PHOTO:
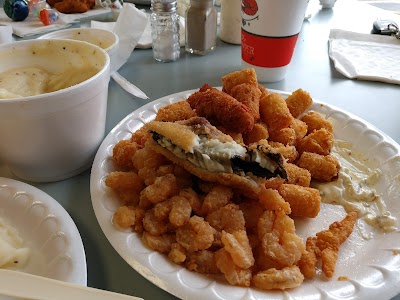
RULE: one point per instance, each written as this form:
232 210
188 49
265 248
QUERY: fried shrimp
180 211
123 152
286 278
177 254
163 188
308 260
128 186
271 200
124 181
202 262
161 243
326 247
229 218
214 181
279 242
328 241
129 216
233 274
238 246
195 235
218 197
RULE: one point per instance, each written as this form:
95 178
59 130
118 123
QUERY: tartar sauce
355 188
13 253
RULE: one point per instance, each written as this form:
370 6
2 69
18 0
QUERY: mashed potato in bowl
30 81
53 104
49 69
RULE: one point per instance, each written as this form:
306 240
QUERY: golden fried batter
274 112
297 175
214 222
324 168
285 136
298 102
319 141
235 78
337 233
74 6
259 132
123 152
222 109
249 95
326 246
175 112
316 121
304 201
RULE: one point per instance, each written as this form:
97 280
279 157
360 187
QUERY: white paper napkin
130 25
145 40
32 25
5 34
365 56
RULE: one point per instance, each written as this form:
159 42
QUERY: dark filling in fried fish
229 157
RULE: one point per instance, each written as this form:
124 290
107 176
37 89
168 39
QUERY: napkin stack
130 25
365 56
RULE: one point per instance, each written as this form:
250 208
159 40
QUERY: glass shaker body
165 32
201 27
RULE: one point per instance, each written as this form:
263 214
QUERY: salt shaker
165 30
201 27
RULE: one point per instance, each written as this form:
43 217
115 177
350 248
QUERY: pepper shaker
165 30
201 27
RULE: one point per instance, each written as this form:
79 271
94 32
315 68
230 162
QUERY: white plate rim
163 280
75 249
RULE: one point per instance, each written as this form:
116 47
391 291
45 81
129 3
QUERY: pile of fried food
72 6
214 180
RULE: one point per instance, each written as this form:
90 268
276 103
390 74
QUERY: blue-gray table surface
310 69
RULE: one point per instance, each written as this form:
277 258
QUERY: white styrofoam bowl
53 136
105 39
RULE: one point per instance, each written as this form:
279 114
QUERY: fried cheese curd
210 228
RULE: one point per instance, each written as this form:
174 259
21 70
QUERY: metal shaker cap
163 5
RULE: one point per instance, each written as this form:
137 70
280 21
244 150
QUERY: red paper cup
269 34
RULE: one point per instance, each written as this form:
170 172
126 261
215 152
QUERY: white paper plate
56 247
371 265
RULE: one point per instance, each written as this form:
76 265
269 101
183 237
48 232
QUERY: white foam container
105 39
53 136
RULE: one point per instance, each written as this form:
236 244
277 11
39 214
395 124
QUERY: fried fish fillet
213 156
